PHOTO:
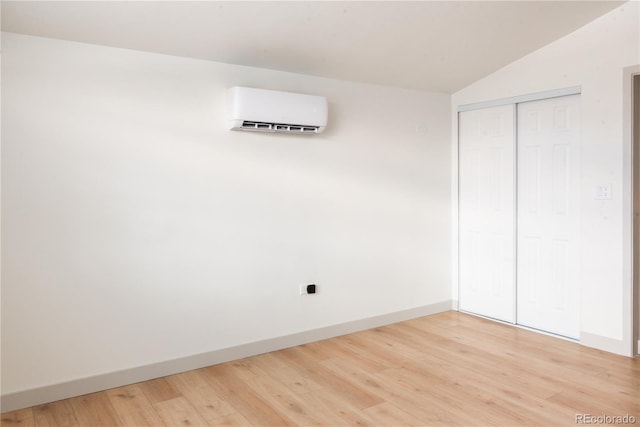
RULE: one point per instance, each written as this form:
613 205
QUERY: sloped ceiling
439 46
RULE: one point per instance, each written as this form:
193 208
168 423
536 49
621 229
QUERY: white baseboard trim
78 387
623 348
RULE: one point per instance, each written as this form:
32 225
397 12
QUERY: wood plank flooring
449 369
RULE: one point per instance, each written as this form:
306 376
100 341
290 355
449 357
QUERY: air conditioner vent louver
261 110
278 127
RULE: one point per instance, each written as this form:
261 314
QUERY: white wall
592 57
137 229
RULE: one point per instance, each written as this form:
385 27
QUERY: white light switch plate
603 191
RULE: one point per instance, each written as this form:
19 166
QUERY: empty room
327 213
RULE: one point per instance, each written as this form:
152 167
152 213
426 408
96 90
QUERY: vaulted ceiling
439 46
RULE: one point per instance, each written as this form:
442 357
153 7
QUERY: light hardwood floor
448 369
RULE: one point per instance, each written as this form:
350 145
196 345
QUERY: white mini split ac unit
271 111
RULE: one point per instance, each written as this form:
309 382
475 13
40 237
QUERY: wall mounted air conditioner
271 111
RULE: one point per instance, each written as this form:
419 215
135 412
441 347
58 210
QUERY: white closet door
548 215
486 212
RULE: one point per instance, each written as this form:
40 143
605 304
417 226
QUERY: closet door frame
538 96
514 101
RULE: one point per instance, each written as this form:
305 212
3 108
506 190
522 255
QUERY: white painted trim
611 345
455 209
77 387
515 214
628 321
573 90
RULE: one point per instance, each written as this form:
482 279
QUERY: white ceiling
432 45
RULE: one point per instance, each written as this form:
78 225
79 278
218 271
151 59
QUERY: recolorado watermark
605 419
